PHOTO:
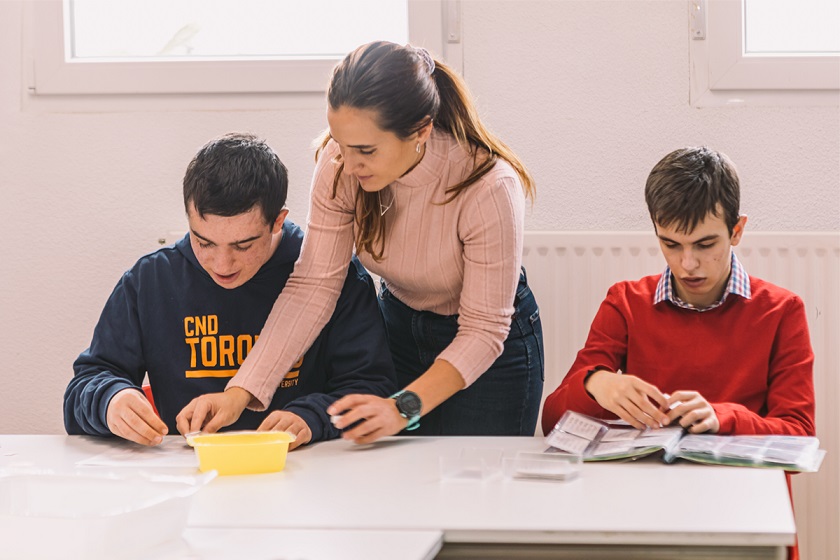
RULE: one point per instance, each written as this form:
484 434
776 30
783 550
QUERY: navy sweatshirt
168 317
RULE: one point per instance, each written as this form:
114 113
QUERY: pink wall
590 93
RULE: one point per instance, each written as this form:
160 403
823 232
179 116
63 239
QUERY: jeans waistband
522 291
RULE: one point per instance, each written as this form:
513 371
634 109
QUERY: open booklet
601 440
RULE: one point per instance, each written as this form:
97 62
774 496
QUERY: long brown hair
407 90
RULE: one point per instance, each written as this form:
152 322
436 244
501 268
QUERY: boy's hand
694 411
131 416
213 411
285 421
635 401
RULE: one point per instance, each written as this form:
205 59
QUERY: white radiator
570 273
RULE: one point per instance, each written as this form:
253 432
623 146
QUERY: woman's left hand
377 417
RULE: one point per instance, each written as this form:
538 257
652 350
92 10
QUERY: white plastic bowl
53 515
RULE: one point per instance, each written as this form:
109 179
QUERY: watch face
409 404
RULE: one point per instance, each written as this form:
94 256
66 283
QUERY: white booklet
601 440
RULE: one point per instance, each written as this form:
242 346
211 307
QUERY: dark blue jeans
504 400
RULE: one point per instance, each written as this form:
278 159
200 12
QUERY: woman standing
434 205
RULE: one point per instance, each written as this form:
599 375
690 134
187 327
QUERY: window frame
47 72
721 74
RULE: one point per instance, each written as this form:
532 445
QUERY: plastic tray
553 466
81 515
244 452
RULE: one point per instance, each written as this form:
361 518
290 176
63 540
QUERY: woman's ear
424 133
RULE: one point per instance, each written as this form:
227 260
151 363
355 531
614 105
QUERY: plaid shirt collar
739 284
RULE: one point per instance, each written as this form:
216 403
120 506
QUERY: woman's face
374 156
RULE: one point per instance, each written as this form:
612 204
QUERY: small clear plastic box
471 463
551 466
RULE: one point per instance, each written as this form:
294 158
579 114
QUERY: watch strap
413 421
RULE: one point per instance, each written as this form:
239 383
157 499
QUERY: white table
626 509
301 544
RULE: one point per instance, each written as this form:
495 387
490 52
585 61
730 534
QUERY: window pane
792 26
277 29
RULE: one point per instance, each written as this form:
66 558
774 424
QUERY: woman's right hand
211 412
374 417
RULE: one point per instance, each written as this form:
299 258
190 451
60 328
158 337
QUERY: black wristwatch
409 406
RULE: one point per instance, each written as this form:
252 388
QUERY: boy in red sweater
703 344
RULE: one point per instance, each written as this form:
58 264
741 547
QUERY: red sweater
751 359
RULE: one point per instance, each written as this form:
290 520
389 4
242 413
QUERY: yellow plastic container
241 452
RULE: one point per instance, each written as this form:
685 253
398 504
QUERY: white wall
590 94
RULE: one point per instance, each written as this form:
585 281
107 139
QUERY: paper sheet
568 442
173 452
620 434
612 447
580 425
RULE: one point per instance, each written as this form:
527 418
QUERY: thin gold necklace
382 207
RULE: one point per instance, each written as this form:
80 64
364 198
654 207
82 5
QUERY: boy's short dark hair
688 184
232 174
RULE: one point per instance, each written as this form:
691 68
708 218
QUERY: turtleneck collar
428 170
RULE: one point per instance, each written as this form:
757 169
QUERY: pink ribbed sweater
462 257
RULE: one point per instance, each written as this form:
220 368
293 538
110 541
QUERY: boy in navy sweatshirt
188 314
